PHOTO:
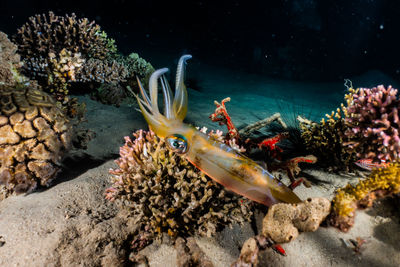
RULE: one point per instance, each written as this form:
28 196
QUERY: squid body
220 162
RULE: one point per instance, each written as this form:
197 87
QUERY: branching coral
58 50
168 194
102 71
34 134
136 67
44 34
325 140
373 121
380 183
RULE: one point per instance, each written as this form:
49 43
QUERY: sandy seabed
71 223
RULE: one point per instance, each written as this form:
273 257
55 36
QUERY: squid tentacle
224 165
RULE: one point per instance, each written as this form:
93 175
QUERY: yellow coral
326 139
387 179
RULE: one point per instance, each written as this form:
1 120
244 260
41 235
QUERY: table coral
380 183
168 194
34 135
373 123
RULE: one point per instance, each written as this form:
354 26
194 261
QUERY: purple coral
373 121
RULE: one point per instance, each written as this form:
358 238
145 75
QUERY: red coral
221 116
270 144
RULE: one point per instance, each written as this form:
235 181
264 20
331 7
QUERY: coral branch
221 116
262 123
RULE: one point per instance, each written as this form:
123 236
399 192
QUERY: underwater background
83 182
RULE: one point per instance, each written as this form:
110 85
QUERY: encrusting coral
373 123
284 221
380 183
282 224
9 61
168 194
34 135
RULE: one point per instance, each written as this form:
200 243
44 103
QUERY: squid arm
219 161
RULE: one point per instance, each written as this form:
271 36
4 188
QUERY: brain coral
168 194
373 121
34 134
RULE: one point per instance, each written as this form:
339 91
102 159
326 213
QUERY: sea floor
71 223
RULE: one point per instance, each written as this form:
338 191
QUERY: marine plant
169 195
219 161
380 183
34 135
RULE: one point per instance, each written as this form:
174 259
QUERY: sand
71 224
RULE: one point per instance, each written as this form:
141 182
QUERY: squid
223 164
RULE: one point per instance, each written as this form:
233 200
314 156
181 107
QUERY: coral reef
168 194
58 50
137 68
326 140
62 51
9 61
373 123
367 127
284 221
44 34
34 134
102 71
380 183
111 94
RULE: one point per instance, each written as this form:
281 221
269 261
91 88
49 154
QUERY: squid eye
177 143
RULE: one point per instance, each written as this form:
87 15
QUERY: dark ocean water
295 40
295 51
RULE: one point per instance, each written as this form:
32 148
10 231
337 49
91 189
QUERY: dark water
319 40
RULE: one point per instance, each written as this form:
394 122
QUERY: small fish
368 164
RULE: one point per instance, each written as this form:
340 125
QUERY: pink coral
373 121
